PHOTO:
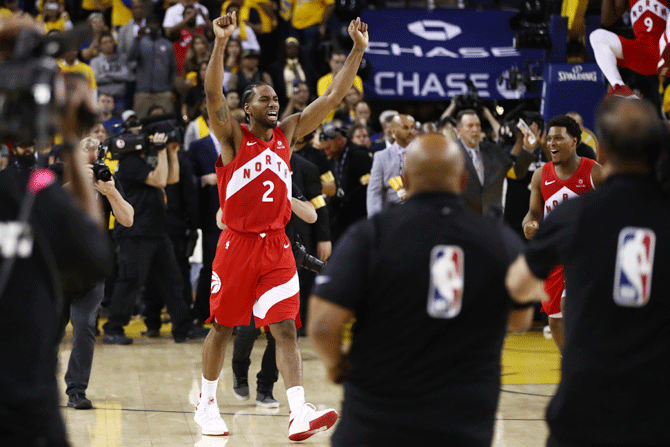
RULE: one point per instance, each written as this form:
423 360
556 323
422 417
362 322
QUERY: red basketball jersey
648 17
555 191
255 188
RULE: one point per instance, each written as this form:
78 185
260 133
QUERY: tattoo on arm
222 113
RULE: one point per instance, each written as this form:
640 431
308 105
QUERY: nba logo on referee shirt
445 295
634 266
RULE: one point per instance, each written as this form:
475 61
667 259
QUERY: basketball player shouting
567 175
644 54
254 270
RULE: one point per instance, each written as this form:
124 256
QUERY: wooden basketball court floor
144 395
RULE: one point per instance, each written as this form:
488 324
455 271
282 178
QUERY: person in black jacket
351 166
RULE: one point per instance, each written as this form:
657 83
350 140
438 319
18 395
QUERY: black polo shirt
615 245
417 376
148 201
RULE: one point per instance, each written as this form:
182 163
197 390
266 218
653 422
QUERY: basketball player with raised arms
643 54
566 176
254 270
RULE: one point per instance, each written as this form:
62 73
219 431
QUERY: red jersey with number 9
648 17
255 187
555 191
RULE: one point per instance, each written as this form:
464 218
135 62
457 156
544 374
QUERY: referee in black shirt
615 245
425 282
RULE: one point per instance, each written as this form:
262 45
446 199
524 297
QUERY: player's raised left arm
298 125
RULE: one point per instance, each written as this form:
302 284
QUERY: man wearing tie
487 165
385 187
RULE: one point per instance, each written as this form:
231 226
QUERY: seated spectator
233 99
244 32
362 113
129 31
70 64
182 32
298 102
345 110
54 16
151 50
359 134
198 52
91 49
106 108
111 71
232 60
248 73
175 14
385 138
288 71
336 63
190 108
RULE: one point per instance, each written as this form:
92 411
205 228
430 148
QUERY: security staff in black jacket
614 244
351 166
64 237
425 282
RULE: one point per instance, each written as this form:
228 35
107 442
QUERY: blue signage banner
572 87
415 54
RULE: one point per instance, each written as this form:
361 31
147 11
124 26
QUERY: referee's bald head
433 162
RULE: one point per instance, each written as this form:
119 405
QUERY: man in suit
203 153
487 165
385 185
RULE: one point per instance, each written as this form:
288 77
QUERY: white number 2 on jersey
445 295
271 187
648 23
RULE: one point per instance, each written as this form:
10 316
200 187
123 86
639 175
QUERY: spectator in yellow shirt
70 64
336 63
54 16
310 24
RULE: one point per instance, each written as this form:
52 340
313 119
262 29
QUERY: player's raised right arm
226 128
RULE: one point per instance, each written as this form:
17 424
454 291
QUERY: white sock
607 49
208 388
296 397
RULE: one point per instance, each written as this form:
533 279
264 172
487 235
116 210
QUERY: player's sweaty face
264 106
560 144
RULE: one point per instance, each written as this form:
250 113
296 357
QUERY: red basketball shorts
554 286
640 54
254 273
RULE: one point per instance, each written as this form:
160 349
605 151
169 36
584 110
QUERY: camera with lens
32 89
531 25
305 260
136 135
470 100
100 169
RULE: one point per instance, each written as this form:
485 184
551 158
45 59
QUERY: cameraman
81 299
145 252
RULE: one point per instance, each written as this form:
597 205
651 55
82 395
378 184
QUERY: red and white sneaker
307 422
621 90
209 419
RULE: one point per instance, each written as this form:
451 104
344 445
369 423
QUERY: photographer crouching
145 253
81 297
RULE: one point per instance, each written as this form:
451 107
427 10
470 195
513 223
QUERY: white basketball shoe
307 422
209 419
